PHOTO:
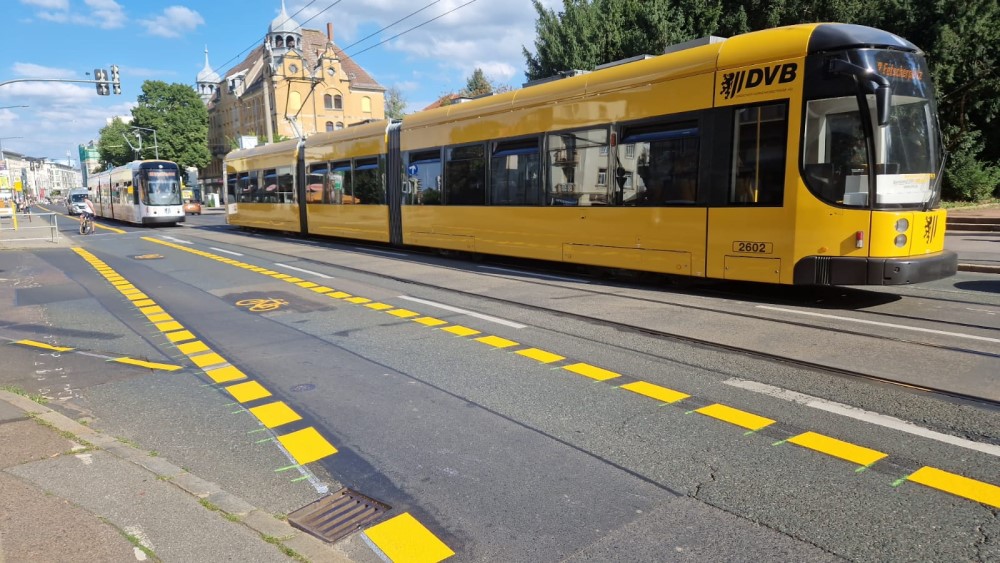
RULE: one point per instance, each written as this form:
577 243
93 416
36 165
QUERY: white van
74 201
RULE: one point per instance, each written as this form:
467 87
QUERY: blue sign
412 170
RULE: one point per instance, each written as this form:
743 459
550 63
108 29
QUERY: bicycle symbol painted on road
261 305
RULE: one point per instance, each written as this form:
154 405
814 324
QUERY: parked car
192 206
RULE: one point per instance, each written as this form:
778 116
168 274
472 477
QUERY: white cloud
106 14
49 4
175 21
31 70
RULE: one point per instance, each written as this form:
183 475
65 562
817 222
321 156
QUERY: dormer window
279 42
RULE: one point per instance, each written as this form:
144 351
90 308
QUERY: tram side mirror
883 99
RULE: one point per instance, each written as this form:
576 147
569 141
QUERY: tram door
749 229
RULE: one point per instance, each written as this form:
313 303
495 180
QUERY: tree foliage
395 103
959 38
180 120
111 145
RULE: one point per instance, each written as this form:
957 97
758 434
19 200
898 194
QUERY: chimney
329 31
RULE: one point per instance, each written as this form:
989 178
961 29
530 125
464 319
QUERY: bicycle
86 224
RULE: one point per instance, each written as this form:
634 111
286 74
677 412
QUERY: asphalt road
488 439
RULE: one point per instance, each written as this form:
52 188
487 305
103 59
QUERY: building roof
283 23
207 74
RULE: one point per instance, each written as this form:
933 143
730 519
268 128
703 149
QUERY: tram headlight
900 239
902 226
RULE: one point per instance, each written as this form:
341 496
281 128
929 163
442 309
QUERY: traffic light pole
106 83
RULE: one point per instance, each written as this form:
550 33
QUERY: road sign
412 170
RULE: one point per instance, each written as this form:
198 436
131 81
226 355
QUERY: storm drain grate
337 514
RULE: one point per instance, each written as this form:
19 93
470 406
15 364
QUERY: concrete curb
980 268
267 526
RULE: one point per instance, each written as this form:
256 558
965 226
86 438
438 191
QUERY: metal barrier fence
24 226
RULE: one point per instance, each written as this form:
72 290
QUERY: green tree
395 103
111 145
180 120
477 85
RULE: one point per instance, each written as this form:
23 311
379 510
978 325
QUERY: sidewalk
974 233
70 493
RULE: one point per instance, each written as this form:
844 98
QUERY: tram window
339 183
314 183
231 190
664 158
465 176
368 188
575 160
423 176
758 174
514 173
246 186
269 192
835 160
286 185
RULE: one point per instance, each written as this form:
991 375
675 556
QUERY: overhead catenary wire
411 29
264 37
373 34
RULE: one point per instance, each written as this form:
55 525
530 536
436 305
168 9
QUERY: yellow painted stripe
205 360
144 364
225 375
294 280
837 448
403 313
338 295
180 336
268 272
280 276
430 321
496 341
249 391
592 372
460 330
152 309
159 318
43 345
403 539
735 416
379 306
322 289
192 347
654 391
169 326
143 302
275 414
307 445
307 284
957 485
358 300
128 290
540 355
118 282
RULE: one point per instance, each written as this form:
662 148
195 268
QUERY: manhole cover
303 387
337 514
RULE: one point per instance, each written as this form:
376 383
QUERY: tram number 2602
753 247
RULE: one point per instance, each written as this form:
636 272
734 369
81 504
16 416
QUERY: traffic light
101 79
116 82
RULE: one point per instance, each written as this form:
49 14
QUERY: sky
155 40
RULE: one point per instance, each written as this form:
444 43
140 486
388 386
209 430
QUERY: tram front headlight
900 240
902 225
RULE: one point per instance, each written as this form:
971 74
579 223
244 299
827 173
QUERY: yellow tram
808 154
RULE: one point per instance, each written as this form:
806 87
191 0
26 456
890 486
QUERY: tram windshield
161 187
906 160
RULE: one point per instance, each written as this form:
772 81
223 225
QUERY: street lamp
156 148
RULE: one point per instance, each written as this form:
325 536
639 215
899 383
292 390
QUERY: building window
340 125
366 105
338 102
329 126
328 101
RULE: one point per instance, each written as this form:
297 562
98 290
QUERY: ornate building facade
296 83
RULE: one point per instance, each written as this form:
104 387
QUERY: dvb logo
735 82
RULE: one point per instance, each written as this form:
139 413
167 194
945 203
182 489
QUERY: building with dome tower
297 82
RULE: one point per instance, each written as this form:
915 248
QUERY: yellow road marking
179 336
496 341
43 345
338 295
322 289
592 372
151 309
210 359
735 416
249 391
957 485
460 330
403 539
169 326
159 318
150 365
358 300
275 414
307 445
837 448
307 284
379 306
192 347
143 301
225 375
654 391
540 355
294 280
430 321
403 313
280 276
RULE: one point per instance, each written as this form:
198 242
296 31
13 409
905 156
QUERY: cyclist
88 214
